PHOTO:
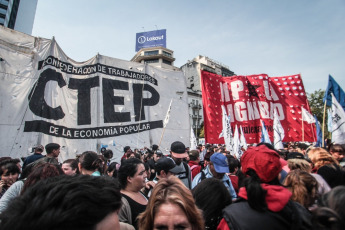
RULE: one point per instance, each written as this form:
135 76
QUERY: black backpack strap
187 173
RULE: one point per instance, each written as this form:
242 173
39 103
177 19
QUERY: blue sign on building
150 39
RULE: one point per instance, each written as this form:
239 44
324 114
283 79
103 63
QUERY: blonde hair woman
171 206
303 187
327 166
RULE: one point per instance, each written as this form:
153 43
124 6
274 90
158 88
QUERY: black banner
89 133
96 68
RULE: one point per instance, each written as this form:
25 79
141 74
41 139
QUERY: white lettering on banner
236 86
248 112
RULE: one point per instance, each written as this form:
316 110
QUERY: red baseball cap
264 161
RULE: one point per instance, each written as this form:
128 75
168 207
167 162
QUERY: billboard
150 39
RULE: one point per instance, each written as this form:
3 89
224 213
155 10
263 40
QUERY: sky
274 37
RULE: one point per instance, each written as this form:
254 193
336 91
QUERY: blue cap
220 163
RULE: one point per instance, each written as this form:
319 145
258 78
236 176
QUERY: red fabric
223 225
276 198
264 161
196 169
234 182
248 99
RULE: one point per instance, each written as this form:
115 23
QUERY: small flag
306 116
264 134
278 132
338 122
227 134
329 120
243 139
318 132
337 91
237 144
193 143
167 116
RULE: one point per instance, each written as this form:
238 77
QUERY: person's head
301 148
303 187
234 164
211 196
108 154
321 157
112 169
70 167
337 151
157 155
38 149
41 171
171 206
9 173
207 158
80 202
89 162
178 152
53 149
132 173
330 213
261 165
165 167
194 155
127 151
218 165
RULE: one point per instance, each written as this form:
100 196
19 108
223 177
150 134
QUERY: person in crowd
90 164
303 187
113 169
234 166
171 206
330 213
127 151
193 162
178 154
70 167
38 150
207 158
302 148
296 161
157 154
39 172
132 178
80 202
217 168
9 173
327 166
263 203
165 167
337 151
53 151
210 202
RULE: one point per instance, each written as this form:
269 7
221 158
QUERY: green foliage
202 131
317 107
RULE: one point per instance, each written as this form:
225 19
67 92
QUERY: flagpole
302 126
323 124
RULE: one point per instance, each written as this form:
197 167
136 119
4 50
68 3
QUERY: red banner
248 99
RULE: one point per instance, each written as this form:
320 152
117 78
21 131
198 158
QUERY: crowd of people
298 187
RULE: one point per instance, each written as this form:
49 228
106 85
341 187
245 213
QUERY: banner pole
323 124
160 141
302 125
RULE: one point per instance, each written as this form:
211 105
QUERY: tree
317 106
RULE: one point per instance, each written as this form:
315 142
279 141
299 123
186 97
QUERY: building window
152 61
167 54
152 52
166 62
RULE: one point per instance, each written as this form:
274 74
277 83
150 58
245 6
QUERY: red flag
248 99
